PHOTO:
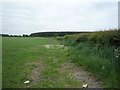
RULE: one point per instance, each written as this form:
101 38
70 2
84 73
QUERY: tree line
43 34
7 35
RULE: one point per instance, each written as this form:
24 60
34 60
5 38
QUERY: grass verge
97 52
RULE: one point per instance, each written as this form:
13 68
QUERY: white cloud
19 18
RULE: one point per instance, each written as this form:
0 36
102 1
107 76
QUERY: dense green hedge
101 37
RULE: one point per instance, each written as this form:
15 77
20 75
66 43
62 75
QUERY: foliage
97 52
52 34
101 37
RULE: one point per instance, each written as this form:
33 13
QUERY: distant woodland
43 34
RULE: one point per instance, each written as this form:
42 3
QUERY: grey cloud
19 18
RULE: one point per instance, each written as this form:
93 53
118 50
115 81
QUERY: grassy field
29 59
43 61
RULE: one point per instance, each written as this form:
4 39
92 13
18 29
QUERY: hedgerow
97 52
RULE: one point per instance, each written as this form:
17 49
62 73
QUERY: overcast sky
26 18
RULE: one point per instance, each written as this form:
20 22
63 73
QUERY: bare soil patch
79 74
35 74
52 46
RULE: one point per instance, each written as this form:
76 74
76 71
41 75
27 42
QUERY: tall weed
97 52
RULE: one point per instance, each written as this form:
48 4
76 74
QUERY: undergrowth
97 52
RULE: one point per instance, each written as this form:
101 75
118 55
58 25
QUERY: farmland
23 57
62 62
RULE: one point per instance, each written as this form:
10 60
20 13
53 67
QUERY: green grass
19 51
101 63
97 52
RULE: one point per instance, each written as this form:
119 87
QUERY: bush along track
97 52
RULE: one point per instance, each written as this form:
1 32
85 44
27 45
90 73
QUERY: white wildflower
51 86
116 56
103 67
115 49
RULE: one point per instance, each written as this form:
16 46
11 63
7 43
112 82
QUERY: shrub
97 52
